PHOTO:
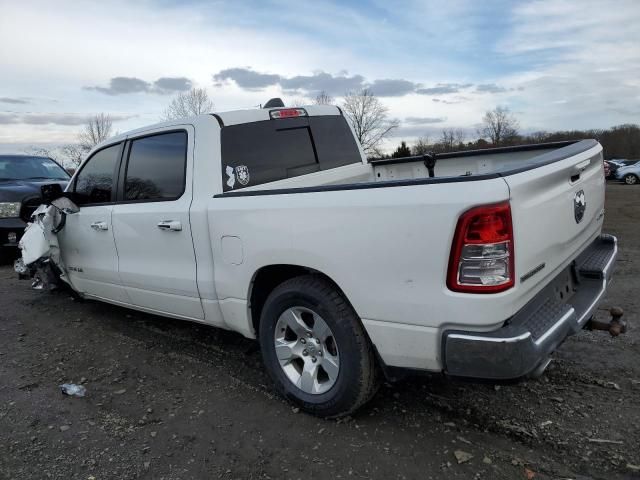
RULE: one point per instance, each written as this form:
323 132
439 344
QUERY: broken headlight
9 209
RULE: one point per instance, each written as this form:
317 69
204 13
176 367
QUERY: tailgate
557 211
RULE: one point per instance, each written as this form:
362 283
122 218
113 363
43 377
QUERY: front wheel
315 348
630 179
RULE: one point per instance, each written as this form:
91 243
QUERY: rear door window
156 167
267 151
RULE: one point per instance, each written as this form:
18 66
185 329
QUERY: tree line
500 128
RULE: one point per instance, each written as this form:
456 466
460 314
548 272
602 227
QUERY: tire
319 305
630 179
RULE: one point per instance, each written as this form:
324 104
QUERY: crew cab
272 223
20 179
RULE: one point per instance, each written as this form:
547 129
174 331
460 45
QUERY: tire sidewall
348 349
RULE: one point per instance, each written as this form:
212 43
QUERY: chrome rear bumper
527 339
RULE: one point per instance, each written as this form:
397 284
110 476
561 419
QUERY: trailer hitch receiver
615 326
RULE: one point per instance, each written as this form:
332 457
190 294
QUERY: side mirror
50 192
65 205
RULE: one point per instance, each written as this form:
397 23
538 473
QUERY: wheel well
267 279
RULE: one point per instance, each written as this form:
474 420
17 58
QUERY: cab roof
233 117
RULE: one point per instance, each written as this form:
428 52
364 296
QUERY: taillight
481 258
288 113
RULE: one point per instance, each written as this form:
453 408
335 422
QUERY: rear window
262 152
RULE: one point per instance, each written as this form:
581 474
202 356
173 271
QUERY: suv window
270 150
156 167
94 183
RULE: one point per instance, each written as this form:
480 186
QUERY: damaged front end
41 260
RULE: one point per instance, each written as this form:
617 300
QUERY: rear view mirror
65 205
50 192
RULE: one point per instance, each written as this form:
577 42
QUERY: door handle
173 225
100 226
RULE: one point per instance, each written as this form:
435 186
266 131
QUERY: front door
87 244
156 258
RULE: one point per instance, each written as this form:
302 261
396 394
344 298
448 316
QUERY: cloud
14 101
490 88
336 85
172 84
126 85
424 120
249 79
444 88
453 101
246 78
392 88
321 81
65 119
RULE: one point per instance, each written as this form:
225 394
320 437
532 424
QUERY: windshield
30 168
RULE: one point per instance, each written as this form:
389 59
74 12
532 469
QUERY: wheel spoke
330 365
294 322
308 378
320 329
284 350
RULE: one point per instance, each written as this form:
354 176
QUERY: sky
434 64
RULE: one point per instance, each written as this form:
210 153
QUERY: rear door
156 258
557 210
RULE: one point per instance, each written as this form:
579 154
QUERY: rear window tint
156 167
262 152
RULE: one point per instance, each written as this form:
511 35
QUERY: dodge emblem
579 205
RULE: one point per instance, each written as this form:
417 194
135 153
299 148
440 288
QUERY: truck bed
449 167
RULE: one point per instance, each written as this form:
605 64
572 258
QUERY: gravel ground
172 400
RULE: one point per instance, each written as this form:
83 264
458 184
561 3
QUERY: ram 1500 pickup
272 223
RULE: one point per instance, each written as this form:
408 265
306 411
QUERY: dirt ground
173 400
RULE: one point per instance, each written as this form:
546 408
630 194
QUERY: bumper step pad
529 337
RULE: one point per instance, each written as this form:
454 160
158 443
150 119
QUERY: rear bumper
527 340
8 226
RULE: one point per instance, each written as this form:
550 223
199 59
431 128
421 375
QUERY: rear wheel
315 348
630 179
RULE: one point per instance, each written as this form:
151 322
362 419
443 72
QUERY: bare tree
300 102
324 98
369 119
73 153
188 104
500 126
422 146
452 139
97 129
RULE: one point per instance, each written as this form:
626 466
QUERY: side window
266 151
334 142
261 152
156 167
94 183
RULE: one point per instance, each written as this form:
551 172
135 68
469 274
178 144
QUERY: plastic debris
73 390
462 456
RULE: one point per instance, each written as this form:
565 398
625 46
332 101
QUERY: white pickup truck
272 223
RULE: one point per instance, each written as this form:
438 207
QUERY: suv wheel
315 348
630 179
